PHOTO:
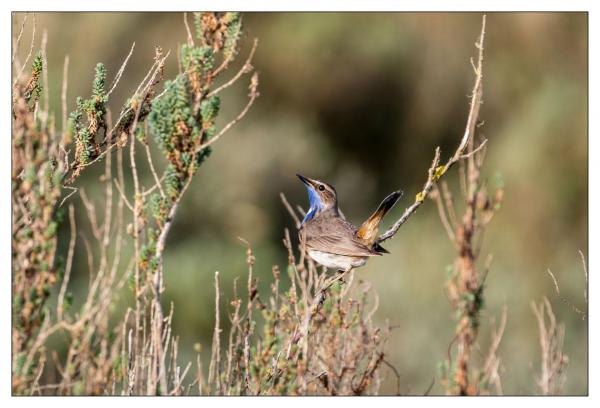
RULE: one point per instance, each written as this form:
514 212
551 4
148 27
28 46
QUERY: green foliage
99 80
37 64
36 187
181 120
199 59
198 26
219 31
68 300
30 173
183 117
51 229
177 127
85 151
158 208
84 134
34 88
209 109
171 115
233 21
95 107
140 135
74 121
172 182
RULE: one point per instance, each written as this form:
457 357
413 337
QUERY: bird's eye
321 187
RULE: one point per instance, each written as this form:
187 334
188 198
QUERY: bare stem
252 97
435 173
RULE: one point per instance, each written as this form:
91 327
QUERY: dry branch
552 376
435 172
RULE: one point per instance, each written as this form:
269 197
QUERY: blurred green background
361 100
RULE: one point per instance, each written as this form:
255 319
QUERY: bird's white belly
336 261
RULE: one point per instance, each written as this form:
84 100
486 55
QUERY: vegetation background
361 100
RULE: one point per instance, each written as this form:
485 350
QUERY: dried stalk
552 376
435 172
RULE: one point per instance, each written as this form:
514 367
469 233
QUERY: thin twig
246 68
472 153
437 197
252 97
227 60
156 68
428 390
290 210
28 55
492 362
18 40
449 204
395 371
121 70
563 299
122 193
153 171
436 173
190 38
215 362
69 264
585 274
419 200
63 94
73 191
46 87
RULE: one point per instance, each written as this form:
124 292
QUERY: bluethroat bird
332 241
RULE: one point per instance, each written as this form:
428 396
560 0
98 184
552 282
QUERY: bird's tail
368 230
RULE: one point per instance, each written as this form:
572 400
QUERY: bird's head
321 196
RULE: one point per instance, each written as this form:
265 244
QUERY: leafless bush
554 362
552 376
315 340
465 286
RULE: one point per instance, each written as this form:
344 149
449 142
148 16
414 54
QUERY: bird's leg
339 276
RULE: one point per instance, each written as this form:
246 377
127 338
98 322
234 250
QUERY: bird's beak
306 180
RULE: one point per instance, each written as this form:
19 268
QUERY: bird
329 239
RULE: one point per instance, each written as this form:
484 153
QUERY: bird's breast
337 261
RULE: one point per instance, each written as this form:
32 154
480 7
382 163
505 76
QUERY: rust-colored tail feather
367 232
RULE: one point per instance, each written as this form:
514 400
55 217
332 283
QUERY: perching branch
435 172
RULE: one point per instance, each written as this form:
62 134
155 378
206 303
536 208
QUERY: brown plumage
330 239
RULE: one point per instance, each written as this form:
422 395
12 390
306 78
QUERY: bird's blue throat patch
315 204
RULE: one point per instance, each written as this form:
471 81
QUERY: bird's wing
338 237
340 245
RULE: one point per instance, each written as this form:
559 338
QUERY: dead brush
138 355
465 286
316 337
314 333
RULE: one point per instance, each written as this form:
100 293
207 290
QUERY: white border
296 5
